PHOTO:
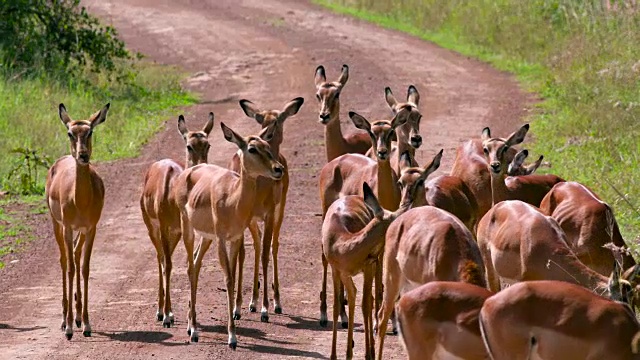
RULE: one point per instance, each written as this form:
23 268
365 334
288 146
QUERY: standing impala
328 95
271 197
557 320
75 196
217 203
160 212
353 233
342 176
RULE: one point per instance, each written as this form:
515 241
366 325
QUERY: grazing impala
160 212
439 320
408 135
557 320
217 203
520 243
269 203
530 188
328 95
353 233
445 192
75 196
341 176
588 223
426 244
470 165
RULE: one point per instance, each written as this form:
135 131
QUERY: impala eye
420 183
318 97
190 148
486 151
70 135
253 150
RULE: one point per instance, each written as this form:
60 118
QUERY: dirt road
265 51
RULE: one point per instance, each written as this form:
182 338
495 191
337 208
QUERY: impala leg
57 231
68 241
187 233
160 286
168 246
350 287
275 245
379 289
256 236
343 302
155 236
367 298
266 252
391 289
86 260
223 257
239 268
336 311
323 294
77 256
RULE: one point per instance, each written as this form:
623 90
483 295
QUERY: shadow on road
19 329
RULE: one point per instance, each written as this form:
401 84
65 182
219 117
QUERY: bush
57 36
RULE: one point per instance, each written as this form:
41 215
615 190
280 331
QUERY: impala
75 196
217 203
160 212
557 320
269 203
328 95
530 188
426 244
588 223
439 320
341 176
353 233
517 167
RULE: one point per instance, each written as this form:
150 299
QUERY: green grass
30 115
14 233
582 59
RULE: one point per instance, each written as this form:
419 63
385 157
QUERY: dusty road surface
265 51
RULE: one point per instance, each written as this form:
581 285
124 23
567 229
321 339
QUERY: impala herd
489 262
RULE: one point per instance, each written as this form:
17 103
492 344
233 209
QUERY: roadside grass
581 58
14 230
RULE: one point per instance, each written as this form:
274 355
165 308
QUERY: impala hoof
236 316
324 322
78 324
69 336
264 317
278 310
188 331
166 324
353 344
345 325
252 308
86 333
194 337
159 316
233 346
394 331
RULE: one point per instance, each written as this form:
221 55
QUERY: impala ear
251 110
517 162
533 167
209 125
405 160
267 133
99 116
434 165
291 108
400 118
64 116
413 96
388 96
371 200
344 76
320 76
518 136
360 122
233 137
614 283
486 134
182 127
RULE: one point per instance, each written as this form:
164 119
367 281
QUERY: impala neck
387 194
244 193
83 186
570 269
403 143
370 237
334 141
499 190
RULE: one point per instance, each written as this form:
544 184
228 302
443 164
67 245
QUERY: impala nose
382 154
495 167
278 171
324 117
84 157
416 141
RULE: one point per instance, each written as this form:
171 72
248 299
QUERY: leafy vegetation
581 56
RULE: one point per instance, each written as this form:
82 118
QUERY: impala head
412 179
411 129
495 149
623 288
255 153
273 118
517 167
80 131
197 141
381 132
632 275
328 93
